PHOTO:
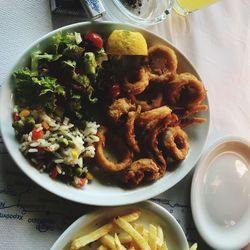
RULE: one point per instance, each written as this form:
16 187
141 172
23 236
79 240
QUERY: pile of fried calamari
146 120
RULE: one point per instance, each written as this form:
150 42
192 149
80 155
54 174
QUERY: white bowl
220 194
98 193
151 213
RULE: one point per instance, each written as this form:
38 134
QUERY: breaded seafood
143 169
136 82
130 130
185 91
153 115
150 98
162 63
152 143
119 108
175 141
101 157
153 106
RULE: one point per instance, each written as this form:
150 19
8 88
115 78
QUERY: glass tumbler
184 7
144 12
141 12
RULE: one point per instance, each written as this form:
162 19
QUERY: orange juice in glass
184 7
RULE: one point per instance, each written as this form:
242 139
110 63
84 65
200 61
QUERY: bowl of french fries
142 226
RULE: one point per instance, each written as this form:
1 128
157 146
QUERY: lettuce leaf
62 40
81 80
37 91
37 56
73 52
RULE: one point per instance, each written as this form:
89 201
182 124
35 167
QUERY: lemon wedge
125 42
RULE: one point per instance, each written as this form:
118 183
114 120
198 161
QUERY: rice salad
52 96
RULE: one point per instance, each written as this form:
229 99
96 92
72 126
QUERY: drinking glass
184 7
142 12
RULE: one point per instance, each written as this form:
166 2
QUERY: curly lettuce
64 40
37 56
37 91
82 80
61 77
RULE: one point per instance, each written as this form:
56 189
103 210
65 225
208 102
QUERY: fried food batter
141 170
130 129
153 151
137 82
175 142
152 143
119 108
185 91
154 115
150 98
162 63
102 159
184 122
186 118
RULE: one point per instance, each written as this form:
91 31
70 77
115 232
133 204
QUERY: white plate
99 193
151 213
220 194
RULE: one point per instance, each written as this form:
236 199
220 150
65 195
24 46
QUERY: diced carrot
24 113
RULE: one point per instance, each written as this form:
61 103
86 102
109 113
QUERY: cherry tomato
37 134
54 173
95 39
80 182
115 90
15 116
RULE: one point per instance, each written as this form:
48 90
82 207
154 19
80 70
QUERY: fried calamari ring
185 91
137 82
162 63
153 115
153 151
130 129
152 143
175 142
119 108
103 161
151 98
141 170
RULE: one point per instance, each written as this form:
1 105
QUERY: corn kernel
24 113
89 176
45 125
74 153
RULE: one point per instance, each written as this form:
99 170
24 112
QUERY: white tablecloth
215 39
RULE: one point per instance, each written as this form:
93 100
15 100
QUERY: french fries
125 238
194 246
101 247
125 233
152 237
91 237
132 216
127 227
118 243
160 236
108 241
